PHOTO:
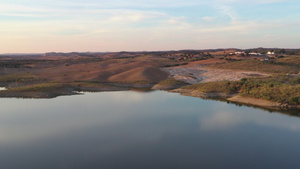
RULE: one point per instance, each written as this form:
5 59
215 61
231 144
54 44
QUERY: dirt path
199 73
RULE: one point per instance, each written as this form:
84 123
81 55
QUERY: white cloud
228 11
228 120
250 1
221 120
105 4
176 23
208 18
134 3
19 8
134 16
115 23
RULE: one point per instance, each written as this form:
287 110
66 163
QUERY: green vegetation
290 64
288 61
280 94
52 86
82 83
177 64
282 89
39 87
19 77
219 86
79 84
137 82
172 82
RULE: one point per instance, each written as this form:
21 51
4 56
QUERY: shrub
294 100
295 80
220 86
282 89
40 87
19 77
172 82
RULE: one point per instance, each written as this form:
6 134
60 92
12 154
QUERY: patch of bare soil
200 73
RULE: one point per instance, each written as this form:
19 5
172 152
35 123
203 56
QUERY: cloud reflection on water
35 119
224 120
138 129
41 119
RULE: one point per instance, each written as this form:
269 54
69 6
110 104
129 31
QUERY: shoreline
69 91
235 98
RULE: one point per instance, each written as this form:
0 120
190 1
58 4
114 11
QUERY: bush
172 82
220 86
282 89
279 65
295 80
294 100
19 77
40 87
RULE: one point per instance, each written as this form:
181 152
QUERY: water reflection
221 120
143 130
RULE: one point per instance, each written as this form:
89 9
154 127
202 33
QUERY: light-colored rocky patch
199 73
191 75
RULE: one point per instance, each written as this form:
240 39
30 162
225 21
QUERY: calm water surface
131 130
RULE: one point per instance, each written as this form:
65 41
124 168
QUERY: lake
152 130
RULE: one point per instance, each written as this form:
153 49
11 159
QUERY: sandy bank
261 103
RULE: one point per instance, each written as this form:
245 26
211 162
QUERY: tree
282 51
247 52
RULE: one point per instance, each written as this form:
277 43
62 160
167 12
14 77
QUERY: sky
39 26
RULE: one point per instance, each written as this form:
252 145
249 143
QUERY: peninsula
262 76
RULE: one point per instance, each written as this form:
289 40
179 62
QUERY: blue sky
35 26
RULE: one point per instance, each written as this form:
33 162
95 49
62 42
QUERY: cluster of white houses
252 53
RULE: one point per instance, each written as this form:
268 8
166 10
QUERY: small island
263 77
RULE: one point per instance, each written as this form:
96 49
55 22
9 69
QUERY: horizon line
41 53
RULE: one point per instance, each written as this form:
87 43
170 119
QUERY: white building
237 53
253 53
270 53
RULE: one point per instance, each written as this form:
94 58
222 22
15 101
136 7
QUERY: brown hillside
113 70
150 74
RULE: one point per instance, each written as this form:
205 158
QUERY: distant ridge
16 54
183 50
